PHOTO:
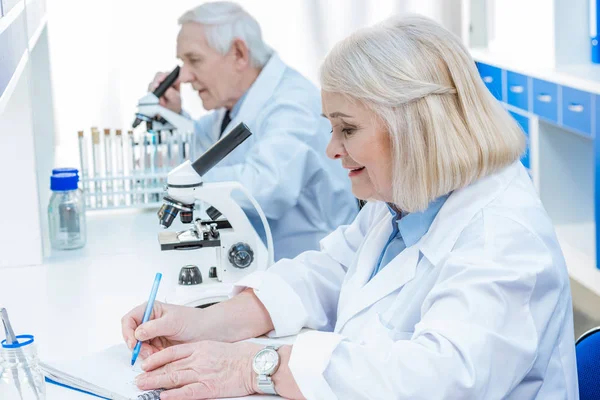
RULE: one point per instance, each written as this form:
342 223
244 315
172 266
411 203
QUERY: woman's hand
202 370
169 325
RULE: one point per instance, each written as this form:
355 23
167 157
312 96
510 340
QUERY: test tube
132 167
168 163
181 147
108 161
144 164
97 161
119 182
83 169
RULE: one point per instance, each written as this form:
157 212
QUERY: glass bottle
66 213
20 374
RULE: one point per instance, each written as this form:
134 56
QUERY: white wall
104 53
20 233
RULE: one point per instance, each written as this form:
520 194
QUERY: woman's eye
346 131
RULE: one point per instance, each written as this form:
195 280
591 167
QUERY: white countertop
73 303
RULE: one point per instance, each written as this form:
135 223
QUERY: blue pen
147 313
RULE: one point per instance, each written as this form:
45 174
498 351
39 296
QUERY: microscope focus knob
241 255
190 275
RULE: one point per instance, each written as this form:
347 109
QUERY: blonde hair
225 21
445 127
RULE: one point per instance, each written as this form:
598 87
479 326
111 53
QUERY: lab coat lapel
257 97
362 293
460 207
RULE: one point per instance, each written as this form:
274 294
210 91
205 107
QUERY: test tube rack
119 170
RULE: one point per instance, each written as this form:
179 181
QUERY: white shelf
36 35
8 91
580 264
584 77
12 15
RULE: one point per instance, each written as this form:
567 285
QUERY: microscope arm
149 107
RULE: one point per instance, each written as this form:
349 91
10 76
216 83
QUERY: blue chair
587 348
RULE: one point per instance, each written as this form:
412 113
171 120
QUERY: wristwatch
265 364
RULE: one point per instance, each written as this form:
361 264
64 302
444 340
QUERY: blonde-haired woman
449 284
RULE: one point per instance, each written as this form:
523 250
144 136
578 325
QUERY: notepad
109 374
106 374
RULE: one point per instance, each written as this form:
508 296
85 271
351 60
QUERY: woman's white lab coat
479 308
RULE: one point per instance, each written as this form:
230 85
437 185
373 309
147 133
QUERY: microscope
157 117
226 230
222 228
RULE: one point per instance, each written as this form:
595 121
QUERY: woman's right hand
172 97
168 325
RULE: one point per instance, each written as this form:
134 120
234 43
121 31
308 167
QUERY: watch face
266 361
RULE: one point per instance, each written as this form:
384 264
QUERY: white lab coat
479 308
304 195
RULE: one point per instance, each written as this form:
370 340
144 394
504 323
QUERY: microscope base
201 295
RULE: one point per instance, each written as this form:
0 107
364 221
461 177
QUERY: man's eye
348 131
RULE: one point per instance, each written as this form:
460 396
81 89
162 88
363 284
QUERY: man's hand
172 97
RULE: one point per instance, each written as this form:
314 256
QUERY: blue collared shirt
406 231
236 107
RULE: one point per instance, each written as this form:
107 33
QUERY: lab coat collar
456 212
412 226
460 208
360 292
259 93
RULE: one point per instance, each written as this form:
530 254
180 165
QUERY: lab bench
74 301
559 112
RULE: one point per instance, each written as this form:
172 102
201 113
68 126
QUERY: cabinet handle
574 107
517 89
544 98
488 79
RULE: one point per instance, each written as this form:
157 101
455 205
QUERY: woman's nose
335 148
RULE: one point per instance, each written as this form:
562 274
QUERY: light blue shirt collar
236 107
412 226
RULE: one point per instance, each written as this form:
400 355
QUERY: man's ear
240 51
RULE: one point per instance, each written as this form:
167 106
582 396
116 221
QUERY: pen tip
132 362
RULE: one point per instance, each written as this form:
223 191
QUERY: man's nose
186 75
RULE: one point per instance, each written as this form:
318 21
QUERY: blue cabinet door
545 100
492 77
517 90
524 124
577 110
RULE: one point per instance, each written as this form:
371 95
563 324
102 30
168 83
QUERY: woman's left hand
202 370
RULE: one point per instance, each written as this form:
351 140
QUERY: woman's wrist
284 381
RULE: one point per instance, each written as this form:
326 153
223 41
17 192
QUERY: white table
73 303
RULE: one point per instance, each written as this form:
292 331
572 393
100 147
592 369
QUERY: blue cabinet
517 90
545 100
492 77
577 110
523 122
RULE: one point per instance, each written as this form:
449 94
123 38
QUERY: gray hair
225 21
446 129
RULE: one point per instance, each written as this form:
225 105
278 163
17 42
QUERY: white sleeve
304 291
477 337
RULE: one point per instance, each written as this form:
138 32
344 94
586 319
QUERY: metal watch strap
264 382
265 385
